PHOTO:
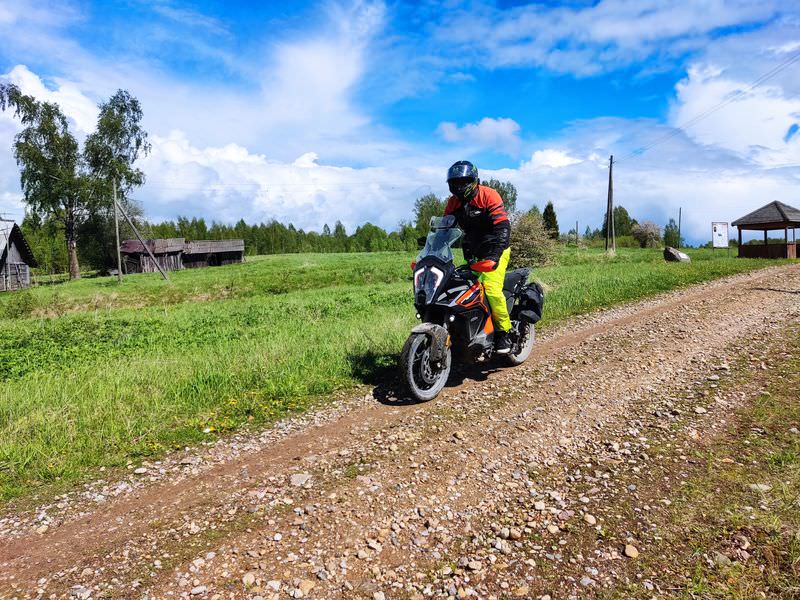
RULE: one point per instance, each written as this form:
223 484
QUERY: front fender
438 335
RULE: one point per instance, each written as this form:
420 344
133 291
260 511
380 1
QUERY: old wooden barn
16 258
176 253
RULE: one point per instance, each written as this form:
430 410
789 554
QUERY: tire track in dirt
400 444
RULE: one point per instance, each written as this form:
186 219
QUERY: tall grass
133 370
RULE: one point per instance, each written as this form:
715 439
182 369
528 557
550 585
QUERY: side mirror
421 242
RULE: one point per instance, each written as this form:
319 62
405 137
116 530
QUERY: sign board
719 235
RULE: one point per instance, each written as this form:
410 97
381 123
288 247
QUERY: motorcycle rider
479 211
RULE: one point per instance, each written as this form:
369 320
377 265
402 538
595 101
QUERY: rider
479 211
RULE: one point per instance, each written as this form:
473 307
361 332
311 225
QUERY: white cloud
754 121
498 134
549 158
229 183
592 39
74 104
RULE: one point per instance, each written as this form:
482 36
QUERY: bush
20 304
531 244
648 234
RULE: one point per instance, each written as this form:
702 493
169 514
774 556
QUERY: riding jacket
487 229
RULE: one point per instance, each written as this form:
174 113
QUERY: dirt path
376 499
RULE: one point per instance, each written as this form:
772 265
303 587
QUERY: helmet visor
462 170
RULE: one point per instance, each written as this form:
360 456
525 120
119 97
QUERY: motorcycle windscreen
441 239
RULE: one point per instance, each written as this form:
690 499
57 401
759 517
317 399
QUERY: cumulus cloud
78 107
229 183
755 122
497 134
549 158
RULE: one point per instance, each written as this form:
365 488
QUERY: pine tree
550 220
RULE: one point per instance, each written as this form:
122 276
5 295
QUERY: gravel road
466 496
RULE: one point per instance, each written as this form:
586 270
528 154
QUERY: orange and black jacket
486 227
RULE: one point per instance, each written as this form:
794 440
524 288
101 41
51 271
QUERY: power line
708 112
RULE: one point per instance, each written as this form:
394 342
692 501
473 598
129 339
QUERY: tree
531 243
648 234
340 238
429 205
62 183
52 177
623 223
671 234
550 220
507 192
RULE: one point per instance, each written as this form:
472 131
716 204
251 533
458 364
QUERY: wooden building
168 253
213 253
775 216
174 254
16 258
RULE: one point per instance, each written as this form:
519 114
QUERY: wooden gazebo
771 217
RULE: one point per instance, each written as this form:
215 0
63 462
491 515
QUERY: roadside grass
97 374
741 517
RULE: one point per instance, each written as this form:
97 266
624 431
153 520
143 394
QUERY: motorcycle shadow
381 372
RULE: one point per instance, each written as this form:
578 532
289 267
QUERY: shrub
20 304
648 234
531 244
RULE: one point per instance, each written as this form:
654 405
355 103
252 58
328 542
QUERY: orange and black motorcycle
455 314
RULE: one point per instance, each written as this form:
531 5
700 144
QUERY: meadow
95 373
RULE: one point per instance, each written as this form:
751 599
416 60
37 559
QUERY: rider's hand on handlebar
465 271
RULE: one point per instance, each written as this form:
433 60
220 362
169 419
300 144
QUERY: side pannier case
531 302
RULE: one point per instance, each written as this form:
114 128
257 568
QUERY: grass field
93 373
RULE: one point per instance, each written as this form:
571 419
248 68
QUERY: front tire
526 337
422 378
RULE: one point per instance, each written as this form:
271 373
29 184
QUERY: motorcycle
456 320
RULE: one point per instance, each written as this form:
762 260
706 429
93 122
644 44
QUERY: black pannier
531 302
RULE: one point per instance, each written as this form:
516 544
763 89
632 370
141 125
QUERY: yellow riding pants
493 287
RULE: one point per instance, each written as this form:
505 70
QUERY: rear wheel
524 338
423 378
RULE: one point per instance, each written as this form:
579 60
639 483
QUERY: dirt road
468 495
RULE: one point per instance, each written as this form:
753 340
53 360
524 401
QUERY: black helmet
462 179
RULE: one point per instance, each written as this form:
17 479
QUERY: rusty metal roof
775 214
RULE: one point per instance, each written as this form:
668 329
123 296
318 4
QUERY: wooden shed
174 254
770 217
16 258
168 253
213 253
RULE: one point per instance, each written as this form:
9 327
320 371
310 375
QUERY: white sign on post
719 235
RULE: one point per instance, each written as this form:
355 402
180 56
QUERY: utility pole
680 211
116 227
139 237
577 235
610 230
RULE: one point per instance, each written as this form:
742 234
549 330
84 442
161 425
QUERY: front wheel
423 378
525 336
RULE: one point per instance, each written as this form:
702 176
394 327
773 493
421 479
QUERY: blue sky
316 111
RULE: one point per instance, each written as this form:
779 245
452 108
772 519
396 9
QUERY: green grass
93 373
718 509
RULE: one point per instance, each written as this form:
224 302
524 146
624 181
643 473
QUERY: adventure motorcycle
456 317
